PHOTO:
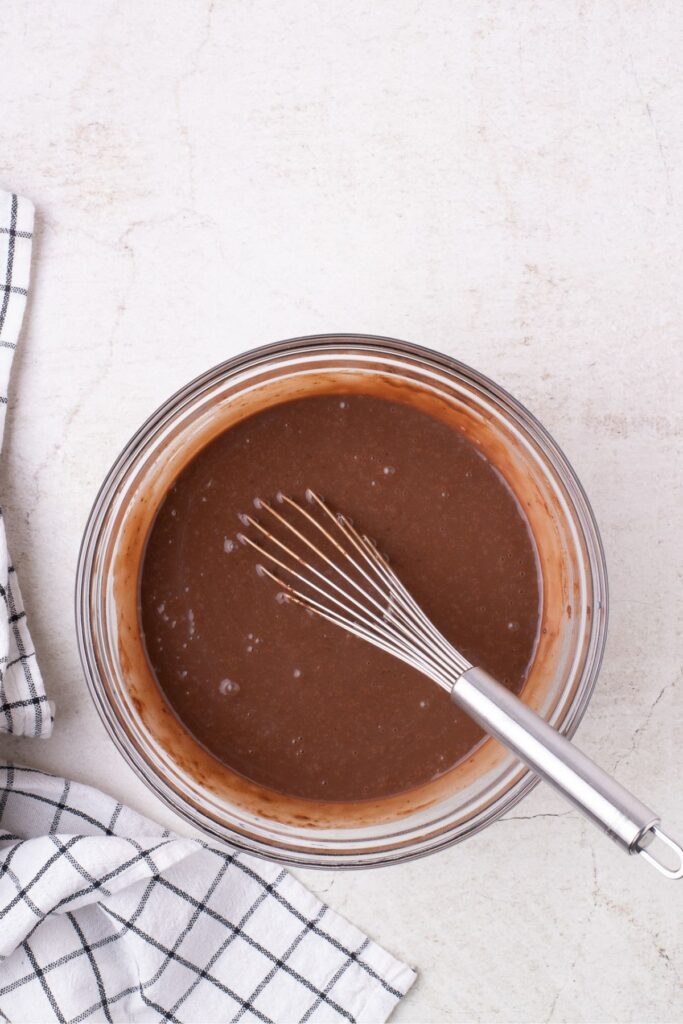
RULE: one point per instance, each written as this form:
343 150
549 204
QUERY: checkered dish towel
107 917
24 708
104 916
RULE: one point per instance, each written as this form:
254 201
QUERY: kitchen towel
106 917
24 707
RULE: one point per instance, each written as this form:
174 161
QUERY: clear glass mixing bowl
228 807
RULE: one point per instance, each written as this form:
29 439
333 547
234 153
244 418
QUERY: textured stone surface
499 181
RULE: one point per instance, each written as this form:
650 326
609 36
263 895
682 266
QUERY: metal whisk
320 561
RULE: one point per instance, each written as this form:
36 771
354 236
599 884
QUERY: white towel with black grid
106 917
24 707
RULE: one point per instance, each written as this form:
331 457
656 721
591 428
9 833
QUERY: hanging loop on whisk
645 851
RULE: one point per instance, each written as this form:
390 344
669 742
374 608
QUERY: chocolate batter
286 699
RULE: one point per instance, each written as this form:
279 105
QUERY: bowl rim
254 357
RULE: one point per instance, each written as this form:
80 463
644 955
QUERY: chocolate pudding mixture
284 698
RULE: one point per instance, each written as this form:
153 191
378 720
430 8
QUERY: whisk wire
337 521
379 621
394 623
415 619
414 613
311 568
383 636
401 604
395 646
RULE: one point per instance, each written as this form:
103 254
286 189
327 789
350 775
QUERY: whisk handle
601 798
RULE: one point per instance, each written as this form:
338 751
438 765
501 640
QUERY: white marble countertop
499 181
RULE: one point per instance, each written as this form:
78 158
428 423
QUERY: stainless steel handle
633 825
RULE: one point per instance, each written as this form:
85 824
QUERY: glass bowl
228 807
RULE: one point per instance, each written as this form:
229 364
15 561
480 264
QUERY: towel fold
24 707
